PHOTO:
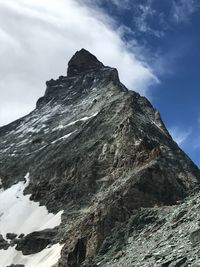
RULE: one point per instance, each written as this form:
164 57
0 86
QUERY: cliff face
94 152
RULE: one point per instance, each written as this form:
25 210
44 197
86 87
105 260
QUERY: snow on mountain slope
19 215
94 150
46 258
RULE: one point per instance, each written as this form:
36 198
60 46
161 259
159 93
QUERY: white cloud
180 136
37 38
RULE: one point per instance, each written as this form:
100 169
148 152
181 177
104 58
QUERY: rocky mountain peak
89 177
82 61
85 73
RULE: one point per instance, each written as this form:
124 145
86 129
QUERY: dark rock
179 263
141 219
21 236
3 243
179 216
77 256
83 61
11 236
166 263
101 153
195 237
36 241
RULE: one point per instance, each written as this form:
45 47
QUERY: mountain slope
167 236
94 152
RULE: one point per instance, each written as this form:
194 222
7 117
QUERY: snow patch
159 126
46 258
61 126
5 150
23 142
18 214
63 137
36 150
82 119
138 142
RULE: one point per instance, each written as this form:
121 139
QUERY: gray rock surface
82 62
102 154
11 236
159 236
3 243
36 241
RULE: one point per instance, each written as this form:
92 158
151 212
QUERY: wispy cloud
179 135
142 21
183 9
176 12
38 38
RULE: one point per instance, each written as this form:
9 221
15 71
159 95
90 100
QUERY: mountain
86 172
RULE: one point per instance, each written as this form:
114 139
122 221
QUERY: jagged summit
82 61
85 73
99 157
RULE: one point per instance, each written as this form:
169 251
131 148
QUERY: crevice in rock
77 256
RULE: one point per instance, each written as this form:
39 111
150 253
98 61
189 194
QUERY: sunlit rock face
95 153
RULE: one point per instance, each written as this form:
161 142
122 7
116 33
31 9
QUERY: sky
154 44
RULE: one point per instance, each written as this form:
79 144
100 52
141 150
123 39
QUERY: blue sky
154 44
169 32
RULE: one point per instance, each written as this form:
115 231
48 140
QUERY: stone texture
3 243
36 241
83 61
102 154
195 237
152 237
11 236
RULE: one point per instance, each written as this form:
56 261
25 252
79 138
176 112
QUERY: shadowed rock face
83 61
96 150
35 241
3 243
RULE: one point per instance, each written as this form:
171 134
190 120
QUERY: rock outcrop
82 62
166 236
102 154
